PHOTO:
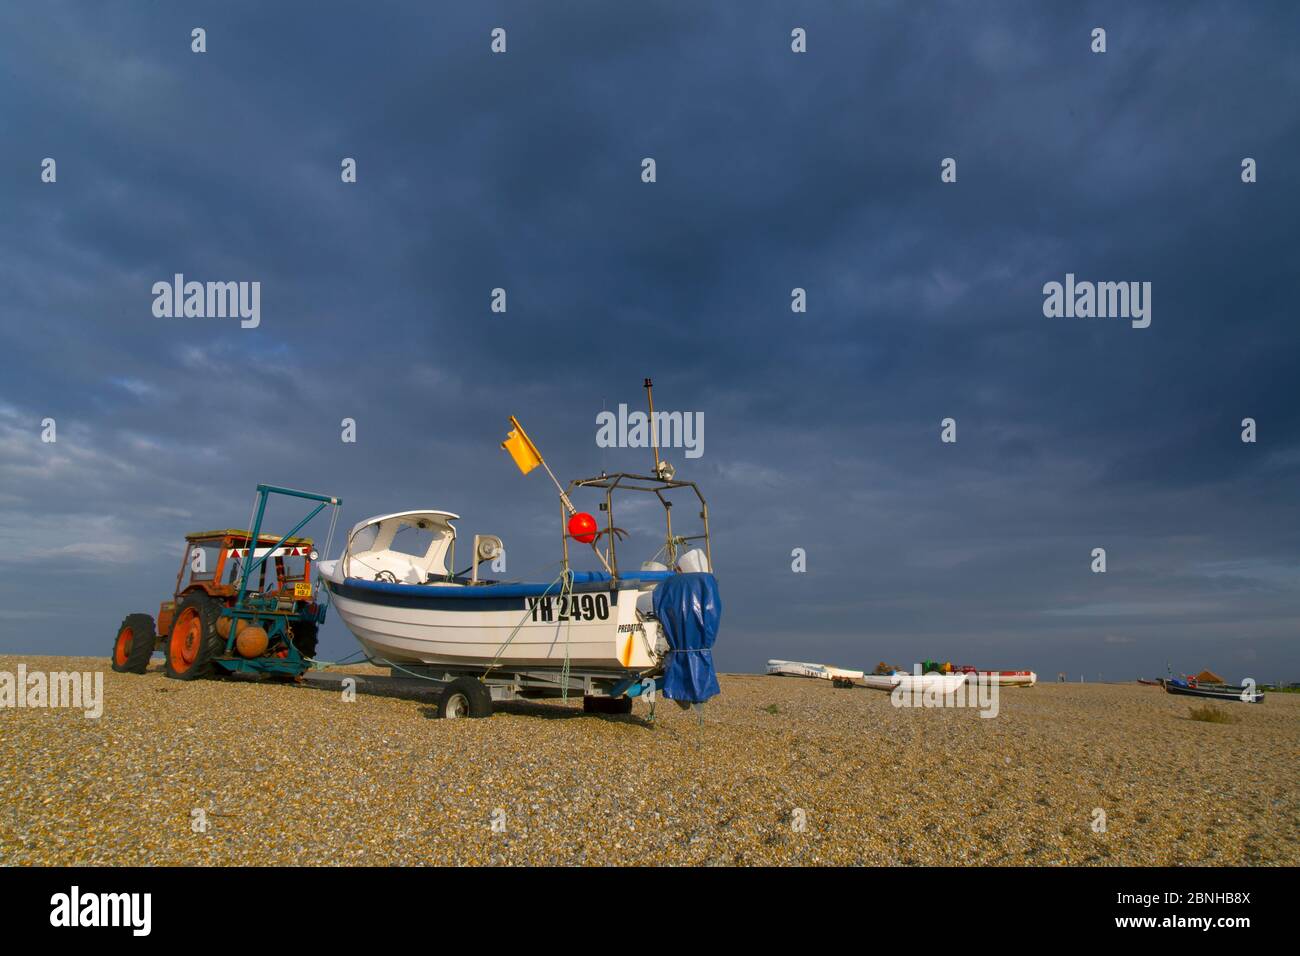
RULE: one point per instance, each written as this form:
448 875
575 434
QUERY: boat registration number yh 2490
575 607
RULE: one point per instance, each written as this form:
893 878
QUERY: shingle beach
779 771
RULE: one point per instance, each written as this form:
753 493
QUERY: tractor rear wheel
194 642
134 644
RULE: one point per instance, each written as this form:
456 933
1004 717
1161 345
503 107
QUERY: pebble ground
779 771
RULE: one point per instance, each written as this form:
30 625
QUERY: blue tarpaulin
689 608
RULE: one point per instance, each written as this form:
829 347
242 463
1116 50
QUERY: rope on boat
249 526
566 597
566 589
252 545
669 549
329 538
321 665
377 661
329 541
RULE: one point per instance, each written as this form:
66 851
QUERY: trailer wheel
607 705
193 642
465 697
134 644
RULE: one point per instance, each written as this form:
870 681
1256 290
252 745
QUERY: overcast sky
775 170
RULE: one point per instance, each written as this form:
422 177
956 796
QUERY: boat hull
593 629
920 683
801 669
1009 678
1240 694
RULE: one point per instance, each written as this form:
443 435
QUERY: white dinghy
934 683
801 669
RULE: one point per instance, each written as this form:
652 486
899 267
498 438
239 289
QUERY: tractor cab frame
244 601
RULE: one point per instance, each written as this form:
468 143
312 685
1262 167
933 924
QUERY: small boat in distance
1191 687
934 681
1009 678
1002 678
802 669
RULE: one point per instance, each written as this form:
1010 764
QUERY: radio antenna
654 432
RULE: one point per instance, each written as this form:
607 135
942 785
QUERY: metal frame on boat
626 481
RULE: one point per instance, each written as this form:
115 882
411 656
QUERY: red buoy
582 527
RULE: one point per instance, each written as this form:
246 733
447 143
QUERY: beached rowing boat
1009 678
936 683
1002 678
1193 688
801 669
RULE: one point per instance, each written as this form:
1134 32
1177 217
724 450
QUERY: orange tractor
237 607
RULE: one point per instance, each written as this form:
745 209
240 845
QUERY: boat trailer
468 692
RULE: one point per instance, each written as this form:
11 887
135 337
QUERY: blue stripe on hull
486 597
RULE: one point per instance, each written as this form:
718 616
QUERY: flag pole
564 498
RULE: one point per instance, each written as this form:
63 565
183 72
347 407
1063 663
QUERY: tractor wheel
465 697
134 644
194 641
305 639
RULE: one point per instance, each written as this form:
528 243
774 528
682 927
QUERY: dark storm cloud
775 171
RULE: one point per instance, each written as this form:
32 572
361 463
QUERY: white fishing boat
599 632
395 590
801 669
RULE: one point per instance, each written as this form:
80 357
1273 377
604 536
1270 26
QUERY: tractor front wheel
134 644
194 641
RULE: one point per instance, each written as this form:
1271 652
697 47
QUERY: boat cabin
408 547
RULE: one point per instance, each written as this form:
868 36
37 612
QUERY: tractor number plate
302 591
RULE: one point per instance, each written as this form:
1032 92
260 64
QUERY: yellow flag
521 448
